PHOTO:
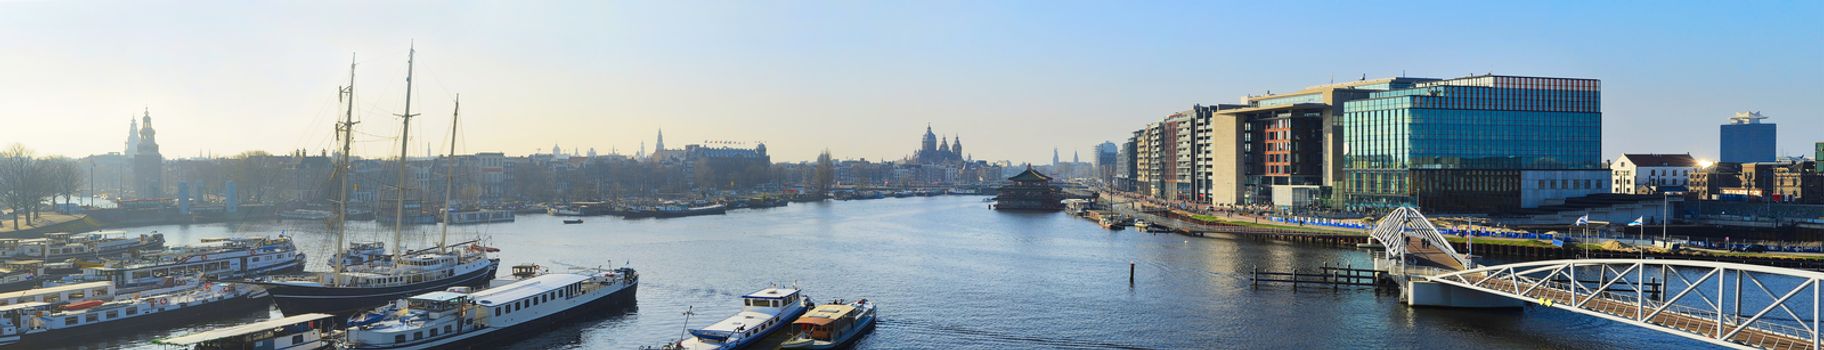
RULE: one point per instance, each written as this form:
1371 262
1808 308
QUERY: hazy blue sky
862 78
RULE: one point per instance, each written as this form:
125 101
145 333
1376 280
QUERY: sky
1013 79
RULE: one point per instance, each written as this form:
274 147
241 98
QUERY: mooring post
1130 273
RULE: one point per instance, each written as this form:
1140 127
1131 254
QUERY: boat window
399 338
417 335
433 332
446 328
90 317
69 320
113 314
297 339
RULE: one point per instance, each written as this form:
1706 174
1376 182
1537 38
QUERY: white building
1651 173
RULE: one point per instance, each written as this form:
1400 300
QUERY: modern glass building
1474 144
1746 139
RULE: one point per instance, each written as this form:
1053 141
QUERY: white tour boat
452 319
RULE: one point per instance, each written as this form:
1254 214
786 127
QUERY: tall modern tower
1746 139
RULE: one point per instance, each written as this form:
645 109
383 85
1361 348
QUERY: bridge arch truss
1392 230
1734 305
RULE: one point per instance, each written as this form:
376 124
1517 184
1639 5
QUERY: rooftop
235 331
1648 159
525 288
57 289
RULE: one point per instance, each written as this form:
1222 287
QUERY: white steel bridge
1729 304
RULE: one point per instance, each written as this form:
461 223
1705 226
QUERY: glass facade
1474 123
1747 143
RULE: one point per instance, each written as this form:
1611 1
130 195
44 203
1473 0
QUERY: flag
1638 221
1584 220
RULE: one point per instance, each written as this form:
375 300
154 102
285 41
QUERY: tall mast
449 181
404 135
347 129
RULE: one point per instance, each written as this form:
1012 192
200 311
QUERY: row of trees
27 182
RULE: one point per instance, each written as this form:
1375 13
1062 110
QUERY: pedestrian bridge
1729 304
1408 236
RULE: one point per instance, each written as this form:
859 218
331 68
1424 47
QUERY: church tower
943 145
132 136
660 145
957 147
929 143
148 165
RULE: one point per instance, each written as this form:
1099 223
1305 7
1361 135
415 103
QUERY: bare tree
64 177
22 182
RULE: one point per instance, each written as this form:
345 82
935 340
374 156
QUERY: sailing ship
350 288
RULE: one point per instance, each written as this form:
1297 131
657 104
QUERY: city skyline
859 79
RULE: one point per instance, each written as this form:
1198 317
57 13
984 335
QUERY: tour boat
831 326
214 258
300 332
761 313
456 318
41 317
61 246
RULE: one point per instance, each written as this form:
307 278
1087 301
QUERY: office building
1478 144
1285 146
1746 139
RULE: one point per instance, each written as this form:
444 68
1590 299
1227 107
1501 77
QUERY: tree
825 176
64 177
23 182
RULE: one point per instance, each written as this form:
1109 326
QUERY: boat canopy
241 330
772 293
830 311
814 321
439 296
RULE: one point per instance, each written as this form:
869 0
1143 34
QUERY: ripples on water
950 274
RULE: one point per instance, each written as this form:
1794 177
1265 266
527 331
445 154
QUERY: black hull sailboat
296 299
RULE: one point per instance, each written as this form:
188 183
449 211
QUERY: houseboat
831 326
214 258
679 210
43 317
761 313
301 332
479 216
61 246
458 319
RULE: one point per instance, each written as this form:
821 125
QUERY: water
950 274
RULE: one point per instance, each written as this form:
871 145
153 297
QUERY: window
399 338
417 335
297 339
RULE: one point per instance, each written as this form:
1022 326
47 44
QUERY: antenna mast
404 135
449 181
347 129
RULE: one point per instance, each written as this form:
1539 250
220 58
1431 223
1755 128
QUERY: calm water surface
950 274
